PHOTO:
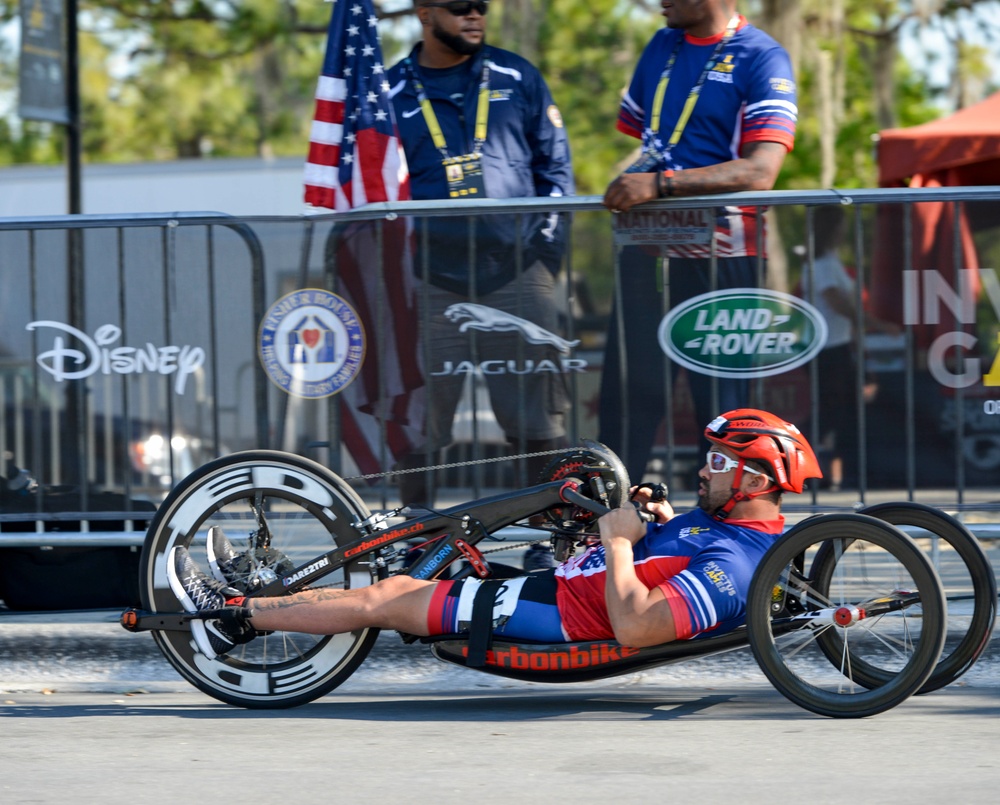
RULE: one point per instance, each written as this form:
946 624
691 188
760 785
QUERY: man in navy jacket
479 122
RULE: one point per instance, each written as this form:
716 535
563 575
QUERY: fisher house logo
311 343
743 332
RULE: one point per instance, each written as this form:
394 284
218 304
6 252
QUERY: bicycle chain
457 464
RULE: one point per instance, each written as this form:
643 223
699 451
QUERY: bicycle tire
783 630
309 511
964 643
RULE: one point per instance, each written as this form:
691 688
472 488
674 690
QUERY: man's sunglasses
463 8
718 462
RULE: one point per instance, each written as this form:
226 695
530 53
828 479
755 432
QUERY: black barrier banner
42 73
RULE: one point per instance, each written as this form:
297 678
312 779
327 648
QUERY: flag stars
356 9
381 114
377 69
353 30
372 97
367 50
350 50
372 21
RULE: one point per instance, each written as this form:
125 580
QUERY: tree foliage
163 79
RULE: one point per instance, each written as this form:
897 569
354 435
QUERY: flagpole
73 134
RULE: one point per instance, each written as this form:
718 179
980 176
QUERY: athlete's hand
643 495
622 523
630 189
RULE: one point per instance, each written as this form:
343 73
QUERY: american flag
354 152
355 158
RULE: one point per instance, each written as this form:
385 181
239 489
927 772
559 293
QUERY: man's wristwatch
665 183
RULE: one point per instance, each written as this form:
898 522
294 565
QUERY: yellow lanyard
482 109
694 94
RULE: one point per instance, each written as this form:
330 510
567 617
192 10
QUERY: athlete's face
715 488
464 35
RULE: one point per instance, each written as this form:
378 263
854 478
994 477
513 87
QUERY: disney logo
67 363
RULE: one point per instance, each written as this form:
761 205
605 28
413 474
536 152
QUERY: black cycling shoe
219 627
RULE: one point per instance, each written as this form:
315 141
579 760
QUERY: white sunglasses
719 462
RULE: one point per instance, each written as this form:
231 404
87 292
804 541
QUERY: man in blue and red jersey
643 585
713 102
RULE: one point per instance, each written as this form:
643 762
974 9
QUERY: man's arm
552 173
639 616
756 169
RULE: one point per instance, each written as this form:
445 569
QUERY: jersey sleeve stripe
685 592
680 610
630 117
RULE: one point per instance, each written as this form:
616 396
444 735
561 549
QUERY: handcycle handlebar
570 494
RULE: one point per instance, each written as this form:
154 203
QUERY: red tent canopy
960 150
966 144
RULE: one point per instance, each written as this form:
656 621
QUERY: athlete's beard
711 502
461 46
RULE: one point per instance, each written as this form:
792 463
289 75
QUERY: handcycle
846 615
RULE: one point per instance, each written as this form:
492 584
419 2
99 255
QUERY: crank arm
141 620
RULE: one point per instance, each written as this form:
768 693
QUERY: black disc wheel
967 578
277 511
873 592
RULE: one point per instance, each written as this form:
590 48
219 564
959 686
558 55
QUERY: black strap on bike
481 626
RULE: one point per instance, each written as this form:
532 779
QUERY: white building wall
233 186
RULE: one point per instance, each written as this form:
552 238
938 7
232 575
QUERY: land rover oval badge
743 332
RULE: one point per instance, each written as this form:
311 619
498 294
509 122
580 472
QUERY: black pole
73 138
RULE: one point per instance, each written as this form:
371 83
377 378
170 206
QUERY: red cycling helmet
768 439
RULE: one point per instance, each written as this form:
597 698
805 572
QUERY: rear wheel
874 594
279 511
967 579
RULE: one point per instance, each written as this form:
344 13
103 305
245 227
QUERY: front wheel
967 578
875 594
278 511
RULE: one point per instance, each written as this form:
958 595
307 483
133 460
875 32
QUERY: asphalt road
92 714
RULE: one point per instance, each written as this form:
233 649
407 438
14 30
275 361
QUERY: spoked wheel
967 579
279 511
873 593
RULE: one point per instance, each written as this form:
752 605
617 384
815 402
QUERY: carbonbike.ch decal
471 316
311 343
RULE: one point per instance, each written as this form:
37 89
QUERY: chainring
589 461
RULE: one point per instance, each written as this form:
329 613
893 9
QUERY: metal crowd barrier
130 349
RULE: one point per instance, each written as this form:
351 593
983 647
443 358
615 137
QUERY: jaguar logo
489 319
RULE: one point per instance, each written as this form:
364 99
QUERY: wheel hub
848 616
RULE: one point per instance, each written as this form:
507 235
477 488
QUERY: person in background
832 290
476 121
713 101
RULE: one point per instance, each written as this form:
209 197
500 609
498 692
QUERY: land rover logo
743 332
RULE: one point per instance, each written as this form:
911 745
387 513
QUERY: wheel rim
305 519
882 627
967 579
